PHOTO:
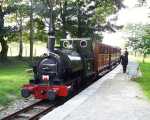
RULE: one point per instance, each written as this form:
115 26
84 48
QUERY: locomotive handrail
72 39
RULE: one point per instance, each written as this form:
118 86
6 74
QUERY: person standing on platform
126 52
124 60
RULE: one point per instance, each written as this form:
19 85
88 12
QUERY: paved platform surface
113 97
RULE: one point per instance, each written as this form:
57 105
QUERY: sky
133 14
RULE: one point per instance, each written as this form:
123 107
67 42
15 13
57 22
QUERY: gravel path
117 98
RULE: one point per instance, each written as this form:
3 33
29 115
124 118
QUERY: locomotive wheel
25 93
51 95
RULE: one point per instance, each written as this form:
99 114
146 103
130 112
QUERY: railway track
34 111
39 109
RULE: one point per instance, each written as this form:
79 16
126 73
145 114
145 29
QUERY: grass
12 77
144 81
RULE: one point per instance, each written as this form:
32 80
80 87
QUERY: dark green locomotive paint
84 47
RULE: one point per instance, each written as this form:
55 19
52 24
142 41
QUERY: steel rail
21 113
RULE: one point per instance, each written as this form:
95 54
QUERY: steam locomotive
64 69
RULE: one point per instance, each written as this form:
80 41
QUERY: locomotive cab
84 47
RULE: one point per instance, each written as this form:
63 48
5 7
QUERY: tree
140 39
77 17
4 31
136 32
21 13
145 44
39 30
119 4
63 14
141 2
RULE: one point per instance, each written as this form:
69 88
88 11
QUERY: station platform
113 97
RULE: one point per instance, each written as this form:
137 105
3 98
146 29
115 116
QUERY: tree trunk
51 38
4 46
4 51
79 28
79 20
144 56
31 30
135 53
20 40
63 16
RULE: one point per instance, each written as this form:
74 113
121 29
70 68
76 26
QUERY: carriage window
106 50
102 49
